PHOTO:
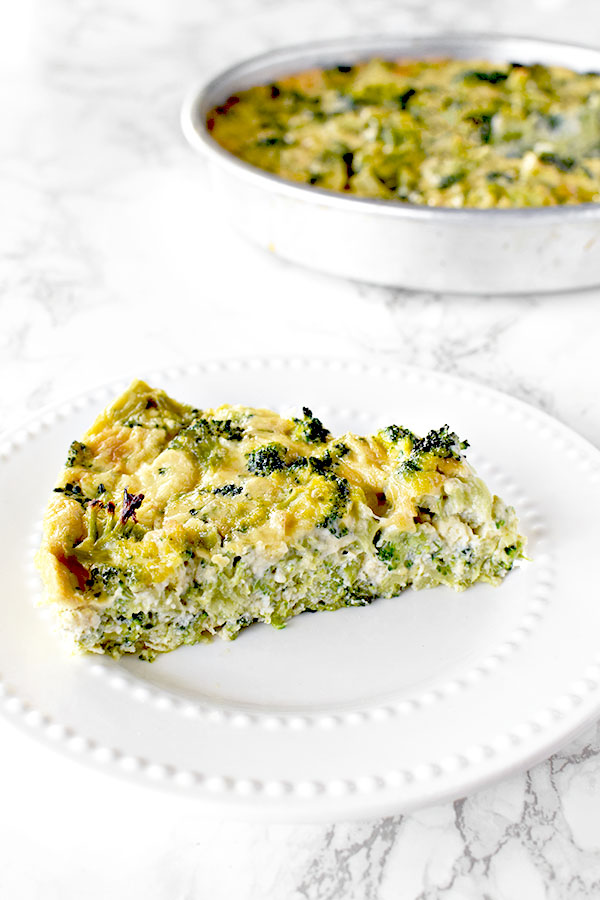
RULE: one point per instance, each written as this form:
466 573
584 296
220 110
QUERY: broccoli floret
494 77
106 578
323 464
320 464
227 429
443 443
217 428
483 121
448 180
338 505
391 554
401 552
266 460
409 465
358 596
78 455
562 163
203 430
404 98
202 438
310 429
395 433
386 552
229 489
74 492
340 450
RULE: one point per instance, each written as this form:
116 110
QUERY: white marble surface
113 260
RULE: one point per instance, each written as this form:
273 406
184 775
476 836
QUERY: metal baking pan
396 243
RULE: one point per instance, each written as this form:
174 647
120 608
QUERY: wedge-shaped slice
171 524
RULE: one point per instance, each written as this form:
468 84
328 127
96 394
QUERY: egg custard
170 524
438 132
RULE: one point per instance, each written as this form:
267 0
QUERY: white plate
354 713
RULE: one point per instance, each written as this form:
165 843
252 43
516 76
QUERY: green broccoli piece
202 436
395 433
107 578
74 492
310 429
226 428
483 121
409 465
265 460
403 551
387 552
203 430
229 490
448 180
338 505
562 163
78 455
443 443
494 77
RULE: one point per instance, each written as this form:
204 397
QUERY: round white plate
353 713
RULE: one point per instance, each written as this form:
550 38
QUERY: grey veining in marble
114 260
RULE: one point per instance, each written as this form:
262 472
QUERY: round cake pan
396 243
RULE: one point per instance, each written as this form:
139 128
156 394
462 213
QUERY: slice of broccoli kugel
170 524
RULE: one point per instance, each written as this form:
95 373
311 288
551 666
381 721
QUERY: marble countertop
114 260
